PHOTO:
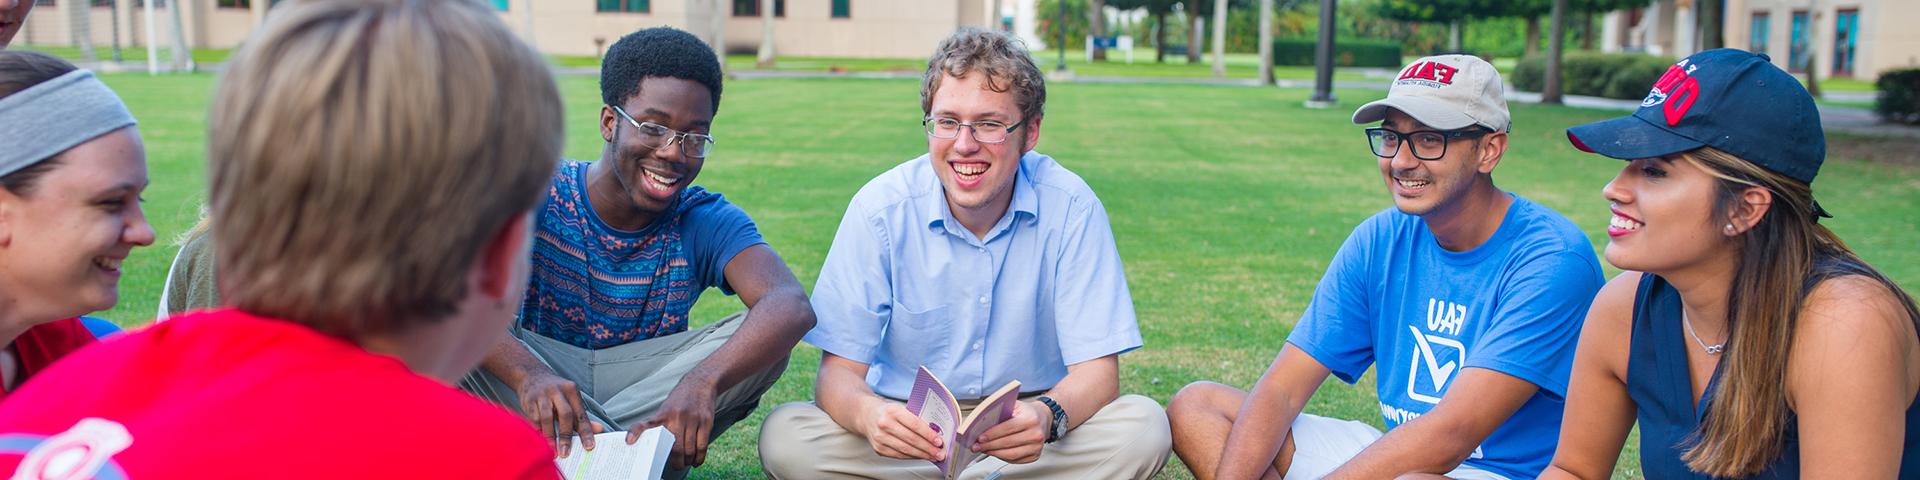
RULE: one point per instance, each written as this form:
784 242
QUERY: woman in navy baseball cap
1760 346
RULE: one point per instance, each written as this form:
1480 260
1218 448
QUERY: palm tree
765 59
1220 38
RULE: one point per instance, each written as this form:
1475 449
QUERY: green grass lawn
1226 202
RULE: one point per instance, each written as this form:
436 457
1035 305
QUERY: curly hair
657 52
999 56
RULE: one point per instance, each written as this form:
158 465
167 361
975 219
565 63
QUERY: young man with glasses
622 249
1469 299
984 262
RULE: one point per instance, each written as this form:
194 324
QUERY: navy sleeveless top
1658 383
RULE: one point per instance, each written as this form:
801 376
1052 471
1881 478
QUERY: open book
934 403
613 459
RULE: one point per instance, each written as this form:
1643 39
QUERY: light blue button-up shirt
905 284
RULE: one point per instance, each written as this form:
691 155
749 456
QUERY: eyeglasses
655 135
1427 144
984 131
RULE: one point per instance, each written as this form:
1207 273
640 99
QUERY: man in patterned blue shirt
985 262
623 247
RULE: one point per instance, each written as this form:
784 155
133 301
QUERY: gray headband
58 114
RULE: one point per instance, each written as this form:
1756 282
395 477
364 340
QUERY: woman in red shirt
70 181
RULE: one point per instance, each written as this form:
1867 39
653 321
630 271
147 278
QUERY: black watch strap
1059 420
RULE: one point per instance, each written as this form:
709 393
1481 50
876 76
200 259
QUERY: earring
1730 230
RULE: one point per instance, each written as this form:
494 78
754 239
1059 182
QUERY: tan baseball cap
1446 92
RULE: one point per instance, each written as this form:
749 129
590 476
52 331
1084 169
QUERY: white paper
613 459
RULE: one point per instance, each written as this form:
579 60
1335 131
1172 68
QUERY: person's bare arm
841 390
1851 378
777 316
1599 413
1475 405
550 402
1261 428
1088 387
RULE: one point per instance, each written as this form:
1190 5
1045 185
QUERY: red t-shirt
224 394
39 346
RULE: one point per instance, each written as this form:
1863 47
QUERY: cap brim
1629 138
1433 113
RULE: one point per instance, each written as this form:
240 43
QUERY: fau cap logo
1428 73
1674 93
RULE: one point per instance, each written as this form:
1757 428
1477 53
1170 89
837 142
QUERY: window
636 6
842 9
1757 40
751 8
102 3
233 3
42 3
1846 27
1797 51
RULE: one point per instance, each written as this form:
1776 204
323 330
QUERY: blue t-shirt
1513 305
594 286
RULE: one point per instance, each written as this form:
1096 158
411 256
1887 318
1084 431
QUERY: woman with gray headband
71 171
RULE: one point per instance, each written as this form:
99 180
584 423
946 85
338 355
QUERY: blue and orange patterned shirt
595 286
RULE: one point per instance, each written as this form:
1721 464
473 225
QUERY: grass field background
1226 202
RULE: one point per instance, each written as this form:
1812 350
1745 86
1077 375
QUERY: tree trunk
1219 38
182 58
1555 49
1160 37
1586 37
717 25
1533 37
1266 42
1097 25
1711 18
1453 36
1196 26
765 59
79 25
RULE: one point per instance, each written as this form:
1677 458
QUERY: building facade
1841 38
811 28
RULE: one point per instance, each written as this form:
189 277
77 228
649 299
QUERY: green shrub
1899 98
1625 76
1347 52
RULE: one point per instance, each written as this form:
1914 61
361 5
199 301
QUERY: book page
613 459
932 402
991 411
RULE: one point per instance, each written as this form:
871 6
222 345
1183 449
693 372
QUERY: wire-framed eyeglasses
655 135
984 131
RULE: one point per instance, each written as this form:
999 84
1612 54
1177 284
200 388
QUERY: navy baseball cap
1732 100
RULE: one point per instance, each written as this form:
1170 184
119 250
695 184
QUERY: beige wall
1886 39
874 28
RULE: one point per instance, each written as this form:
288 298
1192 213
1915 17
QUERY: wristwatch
1059 420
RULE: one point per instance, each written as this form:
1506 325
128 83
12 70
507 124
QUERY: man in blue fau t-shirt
1469 300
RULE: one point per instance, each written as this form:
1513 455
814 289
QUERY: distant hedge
1625 76
1347 52
1899 98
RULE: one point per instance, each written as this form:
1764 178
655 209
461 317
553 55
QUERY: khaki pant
1127 439
622 385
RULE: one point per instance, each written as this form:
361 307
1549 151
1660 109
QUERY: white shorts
1322 444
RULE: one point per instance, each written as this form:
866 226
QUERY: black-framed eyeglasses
655 135
1427 144
984 131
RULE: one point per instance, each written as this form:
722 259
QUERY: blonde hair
362 152
1781 259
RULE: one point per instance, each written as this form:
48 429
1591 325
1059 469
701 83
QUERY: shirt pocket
917 337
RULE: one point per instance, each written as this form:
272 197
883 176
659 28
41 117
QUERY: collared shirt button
977 344
983 299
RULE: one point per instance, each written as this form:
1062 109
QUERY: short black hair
657 52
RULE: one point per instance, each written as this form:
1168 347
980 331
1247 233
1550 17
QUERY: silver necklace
1714 349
